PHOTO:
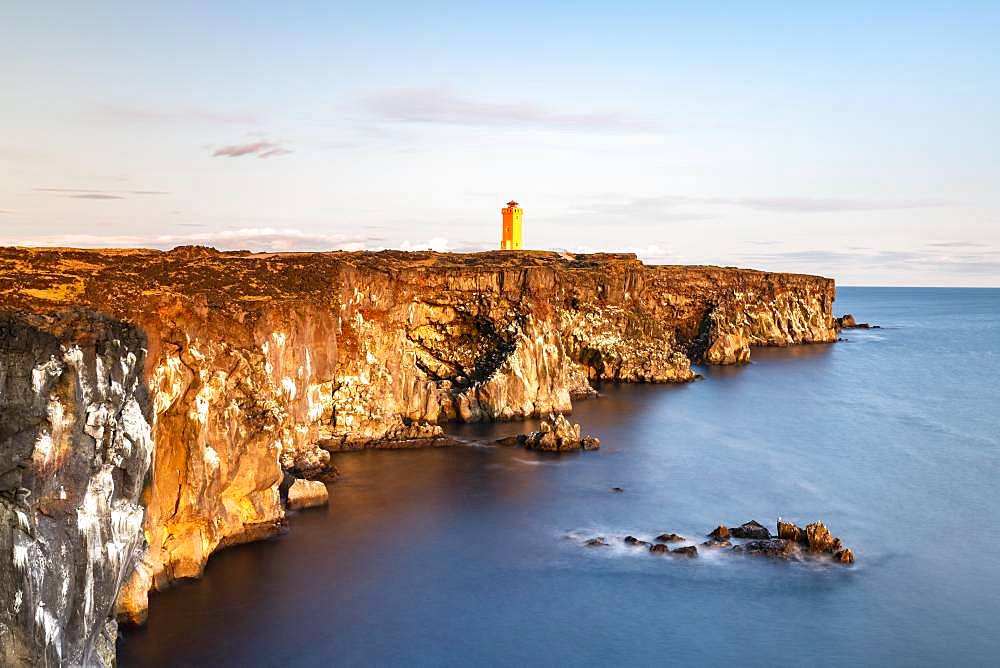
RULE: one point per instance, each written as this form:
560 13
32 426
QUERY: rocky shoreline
154 403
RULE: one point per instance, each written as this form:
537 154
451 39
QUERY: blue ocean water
473 556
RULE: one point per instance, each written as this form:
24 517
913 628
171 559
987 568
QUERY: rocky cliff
153 402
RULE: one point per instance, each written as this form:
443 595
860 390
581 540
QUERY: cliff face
243 367
75 446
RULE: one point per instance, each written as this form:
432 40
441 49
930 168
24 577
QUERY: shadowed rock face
251 363
75 447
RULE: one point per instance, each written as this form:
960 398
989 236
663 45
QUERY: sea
475 555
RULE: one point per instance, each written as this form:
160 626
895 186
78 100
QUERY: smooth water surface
473 555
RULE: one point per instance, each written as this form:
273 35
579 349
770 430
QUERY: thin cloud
260 239
92 193
969 264
261 149
824 205
440 106
667 208
956 244
181 116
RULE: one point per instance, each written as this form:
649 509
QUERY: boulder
670 538
846 321
597 542
720 532
819 538
774 548
659 548
844 556
689 552
716 544
789 531
632 540
307 494
752 529
556 434
308 463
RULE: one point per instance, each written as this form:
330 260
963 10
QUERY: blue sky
854 140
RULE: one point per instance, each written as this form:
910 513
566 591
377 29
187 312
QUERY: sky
857 140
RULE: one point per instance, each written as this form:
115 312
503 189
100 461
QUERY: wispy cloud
821 204
94 196
91 193
967 263
261 149
956 244
441 106
181 116
250 238
672 207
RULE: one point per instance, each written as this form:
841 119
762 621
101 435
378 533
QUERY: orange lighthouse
512 215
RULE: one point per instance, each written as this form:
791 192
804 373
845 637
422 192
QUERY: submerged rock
307 494
689 552
597 542
617 490
752 529
670 538
716 544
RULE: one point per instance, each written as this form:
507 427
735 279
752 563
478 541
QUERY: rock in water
751 529
307 494
632 540
556 434
775 548
689 552
659 548
819 539
720 532
844 556
789 531
670 538
597 542
846 321
716 544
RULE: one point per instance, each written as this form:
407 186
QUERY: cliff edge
152 402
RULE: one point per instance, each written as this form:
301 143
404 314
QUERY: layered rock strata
223 372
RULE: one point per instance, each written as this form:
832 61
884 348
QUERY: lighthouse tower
511 237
